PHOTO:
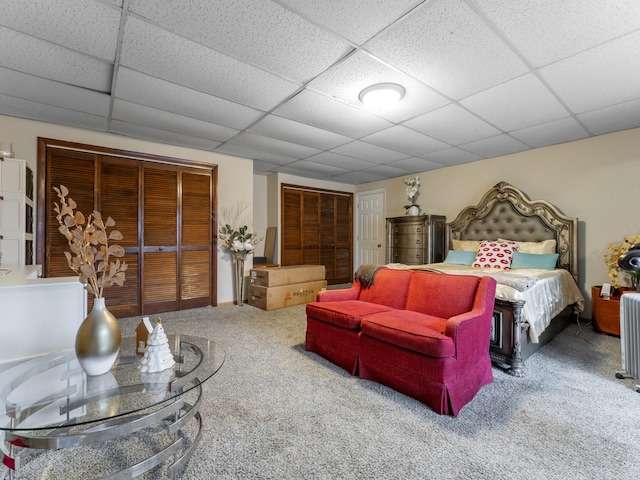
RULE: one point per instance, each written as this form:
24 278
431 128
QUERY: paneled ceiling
278 80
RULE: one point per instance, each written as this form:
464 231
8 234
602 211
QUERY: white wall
235 175
595 179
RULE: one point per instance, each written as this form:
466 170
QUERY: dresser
416 240
16 212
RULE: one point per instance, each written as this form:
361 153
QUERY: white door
370 228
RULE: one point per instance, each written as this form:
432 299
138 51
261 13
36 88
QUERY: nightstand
605 313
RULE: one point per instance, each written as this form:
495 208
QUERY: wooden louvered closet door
317 230
195 238
164 212
160 238
118 199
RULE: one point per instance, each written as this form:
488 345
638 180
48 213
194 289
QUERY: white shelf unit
17 212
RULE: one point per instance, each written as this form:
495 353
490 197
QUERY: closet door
291 251
76 171
328 239
195 238
159 238
119 199
343 239
311 229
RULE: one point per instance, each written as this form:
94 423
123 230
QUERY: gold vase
239 263
98 340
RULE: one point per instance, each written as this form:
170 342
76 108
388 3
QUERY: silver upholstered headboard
506 212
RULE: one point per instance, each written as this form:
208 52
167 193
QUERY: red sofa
421 333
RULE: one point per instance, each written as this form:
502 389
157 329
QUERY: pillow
460 257
495 255
545 246
544 261
466 245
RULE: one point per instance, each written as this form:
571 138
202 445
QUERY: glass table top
52 391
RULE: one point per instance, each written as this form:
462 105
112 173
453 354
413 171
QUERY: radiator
630 333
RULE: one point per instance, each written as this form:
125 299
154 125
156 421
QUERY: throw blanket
504 277
366 273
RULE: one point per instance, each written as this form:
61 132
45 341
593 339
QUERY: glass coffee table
49 402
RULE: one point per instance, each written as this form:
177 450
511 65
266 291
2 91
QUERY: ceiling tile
30 55
18 107
248 152
405 140
516 104
356 20
561 28
612 119
161 136
296 132
359 177
157 93
558 131
346 80
446 45
312 167
156 52
273 145
263 167
87 26
583 86
54 93
452 124
495 146
452 156
416 165
323 112
337 160
388 171
170 122
260 32
369 152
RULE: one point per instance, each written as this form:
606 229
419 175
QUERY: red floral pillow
495 255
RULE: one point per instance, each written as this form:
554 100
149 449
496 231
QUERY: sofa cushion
346 314
442 295
412 330
389 288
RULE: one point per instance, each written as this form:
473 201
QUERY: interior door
160 238
370 245
291 251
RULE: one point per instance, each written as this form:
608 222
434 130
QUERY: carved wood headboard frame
506 212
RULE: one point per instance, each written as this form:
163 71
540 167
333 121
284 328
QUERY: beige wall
596 180
235 175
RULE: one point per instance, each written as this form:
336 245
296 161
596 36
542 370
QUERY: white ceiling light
381 95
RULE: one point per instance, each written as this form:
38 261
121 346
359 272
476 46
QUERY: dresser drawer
408 229
408 241
410 256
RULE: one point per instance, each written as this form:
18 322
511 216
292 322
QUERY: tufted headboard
506 212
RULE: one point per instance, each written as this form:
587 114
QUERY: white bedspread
546 292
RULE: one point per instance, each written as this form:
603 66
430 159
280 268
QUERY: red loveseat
421 333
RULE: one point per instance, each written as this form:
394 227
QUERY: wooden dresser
416 240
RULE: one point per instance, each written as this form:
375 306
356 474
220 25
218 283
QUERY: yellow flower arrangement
614 250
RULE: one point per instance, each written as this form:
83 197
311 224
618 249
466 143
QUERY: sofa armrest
340 294
471 331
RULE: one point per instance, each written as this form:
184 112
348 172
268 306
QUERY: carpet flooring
275 411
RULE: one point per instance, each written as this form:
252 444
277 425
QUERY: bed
531 305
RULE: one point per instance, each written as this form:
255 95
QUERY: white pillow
545 246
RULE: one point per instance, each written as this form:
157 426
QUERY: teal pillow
544 261
460 257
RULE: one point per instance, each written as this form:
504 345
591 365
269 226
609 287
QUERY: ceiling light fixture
381 95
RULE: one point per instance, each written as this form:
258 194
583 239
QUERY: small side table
605 312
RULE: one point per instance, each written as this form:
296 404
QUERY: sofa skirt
339 345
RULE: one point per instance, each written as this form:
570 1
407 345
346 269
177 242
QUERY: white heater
630 335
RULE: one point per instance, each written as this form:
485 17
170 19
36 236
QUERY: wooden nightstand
605 313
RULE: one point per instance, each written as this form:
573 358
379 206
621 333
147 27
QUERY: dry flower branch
88 241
